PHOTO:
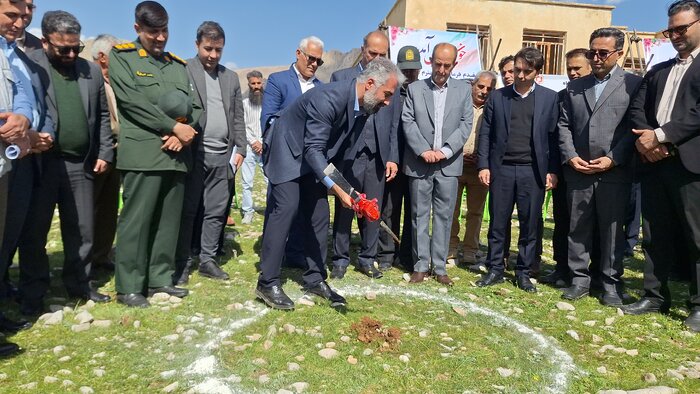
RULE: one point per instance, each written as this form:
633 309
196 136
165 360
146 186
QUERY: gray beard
255 99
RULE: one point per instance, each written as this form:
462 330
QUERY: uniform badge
143 53
143 74
410 56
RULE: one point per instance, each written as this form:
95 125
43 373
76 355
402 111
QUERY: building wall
507 19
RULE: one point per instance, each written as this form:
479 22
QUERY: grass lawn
461 339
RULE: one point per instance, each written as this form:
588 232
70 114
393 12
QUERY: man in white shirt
252 108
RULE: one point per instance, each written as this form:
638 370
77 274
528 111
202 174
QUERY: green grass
134 358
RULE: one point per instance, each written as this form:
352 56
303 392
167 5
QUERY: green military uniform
153 179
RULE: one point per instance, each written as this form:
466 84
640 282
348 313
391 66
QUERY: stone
28 386
609 321
518 310
330 345
459 311
423 333
267 345
86 390
171 387
3 376
64 372
99 355
596 339
305 301
262 379
196 319
404 358
288 328
345 339
168 374
174 300
80 327
64 359
632 352
102 323
299 387
406 277
371 296
654 390
137 323
328 353
505 372
284 391
99 372
367 352
565 306
50 379
89 304
171 337
67 383
602 370
352 360
53 308
673 374
52 319
190 333
300 358
293 367
160 297
58 349
649 378
83 317
254 337
589 323
442 290
259 362
573 334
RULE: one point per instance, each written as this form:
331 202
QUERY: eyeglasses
312 59
678 30
31 7
67 49
602 54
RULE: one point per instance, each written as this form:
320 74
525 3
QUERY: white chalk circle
562 364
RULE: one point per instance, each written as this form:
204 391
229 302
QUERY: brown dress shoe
417 277
444 279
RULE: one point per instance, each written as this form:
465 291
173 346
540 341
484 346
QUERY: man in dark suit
366 166
666 118
27 41
596 147
437 119
315 130
518 159
220 129
281 90
77 103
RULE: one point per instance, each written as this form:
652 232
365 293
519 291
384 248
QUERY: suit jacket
45 122
312 132
495 127
92 91
419 126
282 89
590 129
683 131
386 123
233 104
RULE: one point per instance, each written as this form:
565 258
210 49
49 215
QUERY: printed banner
661 49
468 59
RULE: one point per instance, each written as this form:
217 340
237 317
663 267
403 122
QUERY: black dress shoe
693 321
370 271
646 305
8 349
385 266
171 290
555 279
12 326
90 294
338 272
611 298
322 290
274 297
523 282
489 279
210 269
574 292
136 300
31 307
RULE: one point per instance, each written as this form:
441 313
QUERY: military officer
153 157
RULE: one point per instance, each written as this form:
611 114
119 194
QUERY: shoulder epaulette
178 59
127 46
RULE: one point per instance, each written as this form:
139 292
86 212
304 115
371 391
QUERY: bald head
445 49
374 44
443 61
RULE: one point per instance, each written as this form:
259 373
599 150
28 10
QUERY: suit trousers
396 194
147 231
514 185
106 211
562 220
366 175
438 193
597 209
4 183
306 199
247 177
633 218
20 184
206 187
63 181
476 201
670 195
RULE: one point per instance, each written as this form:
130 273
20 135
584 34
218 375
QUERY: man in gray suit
221 128
596 143
77 103
437 118
315 130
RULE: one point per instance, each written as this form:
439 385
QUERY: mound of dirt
369 330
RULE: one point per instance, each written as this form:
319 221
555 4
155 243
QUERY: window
551 43
484 36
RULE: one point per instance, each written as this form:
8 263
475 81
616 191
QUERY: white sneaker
248 217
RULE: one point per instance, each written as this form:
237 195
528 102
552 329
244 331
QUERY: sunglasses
602 54
679 30
312 59
67 49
